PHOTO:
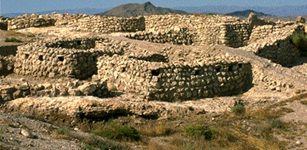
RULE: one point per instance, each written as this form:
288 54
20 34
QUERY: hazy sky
13 6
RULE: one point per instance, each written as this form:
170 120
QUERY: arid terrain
174 81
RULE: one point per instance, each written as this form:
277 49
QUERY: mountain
134 9
245 13
294 10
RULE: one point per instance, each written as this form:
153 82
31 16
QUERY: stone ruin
275 43
163 74
87 23
158 75
26 21
159 80
180 36
75 58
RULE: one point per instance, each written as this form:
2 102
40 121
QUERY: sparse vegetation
200 130
117 131
238 107
153 129
12 39
304 102
299 39
93 143
61 133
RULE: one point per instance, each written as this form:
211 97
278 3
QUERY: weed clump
299 39
61 133
238 107
200 131
12 40
117 131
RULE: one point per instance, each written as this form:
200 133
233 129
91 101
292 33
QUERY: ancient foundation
74 58
170 82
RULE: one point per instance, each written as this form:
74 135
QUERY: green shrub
62 131
299 39
304 102
277 123
12 40
117 131
238 107
200 131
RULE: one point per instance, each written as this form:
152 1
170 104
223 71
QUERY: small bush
277 123
12 40
299 39
117 131
238 107
156 129
61 133
304 102
93 143
200 131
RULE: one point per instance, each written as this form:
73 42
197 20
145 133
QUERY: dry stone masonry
68 88
88 23
274 43
206 29
33 20
196 69
179 37
102 24
175 81
74 58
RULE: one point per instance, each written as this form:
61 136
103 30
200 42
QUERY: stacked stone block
175 81
75 58
68 88
235 34
277 44
181 37
204 29
104 24
27 21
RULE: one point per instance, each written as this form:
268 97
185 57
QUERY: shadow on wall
188 83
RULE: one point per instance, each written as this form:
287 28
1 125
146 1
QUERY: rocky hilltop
133 9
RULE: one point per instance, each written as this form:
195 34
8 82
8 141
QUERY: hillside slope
133 9
245 13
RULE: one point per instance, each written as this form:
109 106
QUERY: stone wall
276 45
79 22
174 37
178 81
103 24
74 58
205 29
68 88
235 34
261 32
27 21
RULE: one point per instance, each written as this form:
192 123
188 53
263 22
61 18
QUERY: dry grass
12 39
116 131
304 102
61 133
152 129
